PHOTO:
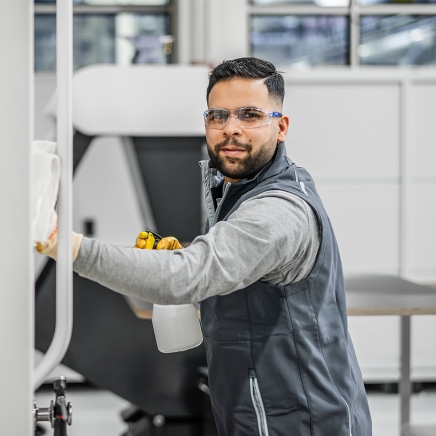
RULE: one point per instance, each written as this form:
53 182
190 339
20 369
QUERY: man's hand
146 241
50 248
169 243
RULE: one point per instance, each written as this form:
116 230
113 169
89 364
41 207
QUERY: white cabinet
369 140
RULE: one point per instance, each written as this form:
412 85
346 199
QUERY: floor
97 412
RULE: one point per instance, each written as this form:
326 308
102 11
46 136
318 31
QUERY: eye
217 116
250 115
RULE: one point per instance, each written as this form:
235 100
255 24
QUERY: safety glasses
247 117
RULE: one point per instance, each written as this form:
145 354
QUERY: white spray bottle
176 327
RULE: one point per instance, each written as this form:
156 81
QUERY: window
106 35
398 40
314 2
301 39
366 2
111 2
319 32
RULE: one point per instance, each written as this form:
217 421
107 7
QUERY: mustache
234 142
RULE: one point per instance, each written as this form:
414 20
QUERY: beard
241 168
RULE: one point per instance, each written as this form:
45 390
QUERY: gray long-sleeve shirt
271 237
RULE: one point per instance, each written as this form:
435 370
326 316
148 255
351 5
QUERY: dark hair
249 68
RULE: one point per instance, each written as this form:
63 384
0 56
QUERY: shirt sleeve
270 235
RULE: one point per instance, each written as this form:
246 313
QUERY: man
267 273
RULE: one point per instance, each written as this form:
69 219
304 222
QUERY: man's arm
268 233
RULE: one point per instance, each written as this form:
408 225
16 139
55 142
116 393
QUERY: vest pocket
256 398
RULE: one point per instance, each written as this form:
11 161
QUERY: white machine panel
104 192
133 101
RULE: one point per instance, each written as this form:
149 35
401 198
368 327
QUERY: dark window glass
45 42
315 2
398 40
121 38
112 2
304 40
369 2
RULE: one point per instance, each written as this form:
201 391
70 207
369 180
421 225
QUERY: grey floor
97 412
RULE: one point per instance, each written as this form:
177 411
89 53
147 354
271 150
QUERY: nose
233 128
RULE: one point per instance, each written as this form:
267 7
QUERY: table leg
404 385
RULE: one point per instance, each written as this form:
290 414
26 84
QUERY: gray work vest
280 359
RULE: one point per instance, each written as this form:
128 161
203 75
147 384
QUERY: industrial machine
111 346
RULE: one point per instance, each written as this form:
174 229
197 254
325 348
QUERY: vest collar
276 165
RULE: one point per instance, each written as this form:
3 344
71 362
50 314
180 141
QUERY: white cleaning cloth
47 171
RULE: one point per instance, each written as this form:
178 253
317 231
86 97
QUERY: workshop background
360 81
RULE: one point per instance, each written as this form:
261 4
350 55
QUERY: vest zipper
348 414
215 217
258 405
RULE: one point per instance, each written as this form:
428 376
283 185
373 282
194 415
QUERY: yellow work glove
147 241
51 246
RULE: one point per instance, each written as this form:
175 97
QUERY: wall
16 258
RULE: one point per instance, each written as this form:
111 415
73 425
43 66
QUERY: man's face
237 152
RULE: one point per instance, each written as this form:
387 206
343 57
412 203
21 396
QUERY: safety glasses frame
271 115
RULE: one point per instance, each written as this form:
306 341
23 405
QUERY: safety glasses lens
216 117
250 117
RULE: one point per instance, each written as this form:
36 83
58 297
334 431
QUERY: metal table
391 295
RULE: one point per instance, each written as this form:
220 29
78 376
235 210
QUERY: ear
283 127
